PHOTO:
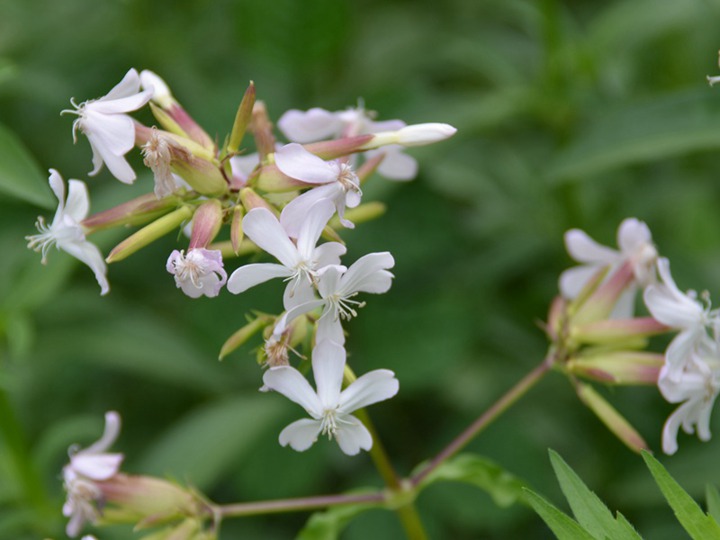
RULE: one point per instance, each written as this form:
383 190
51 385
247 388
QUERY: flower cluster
598 338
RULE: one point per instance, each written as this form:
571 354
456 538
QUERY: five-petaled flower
66 232
87 467
329 407
199 272
109 130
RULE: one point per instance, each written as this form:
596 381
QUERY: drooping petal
296 162
78 201
396 165
309 126
301 434
584 249
58 187
312 227
88 253
263 228
328 362
289 382
250 275
368 274
352 436
96 466
374 386
109 436
671 427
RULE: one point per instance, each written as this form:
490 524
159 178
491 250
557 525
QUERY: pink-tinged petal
312 228
584 249
573 280
130 84
328 253
396 165
633 234
301 434
296 211
290 383
377 385
298 292
88 253
329 328
78 201
328 362
368 274
109 436
96 466
352 436
309 126
263 228
296 162
250 275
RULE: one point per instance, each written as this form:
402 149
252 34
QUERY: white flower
337 287
86 467
673 308
317 124
299 261
636 248
329 407
198 273
336 181
66 232
697 386
110 131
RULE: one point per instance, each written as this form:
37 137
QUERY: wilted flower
330 407
110 131
198 273
66 232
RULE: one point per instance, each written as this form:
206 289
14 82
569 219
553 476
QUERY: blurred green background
570 114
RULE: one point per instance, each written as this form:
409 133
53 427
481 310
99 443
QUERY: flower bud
415 135
250 199
135 212
202 175
618 367
272 180
261 128
241 336
242 119
616 331
236 229
612 419
600 303
207 221
148 234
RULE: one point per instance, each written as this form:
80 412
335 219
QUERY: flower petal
584 249
309 126
130 84
301 434
294 313
352 435
633 234
296 211
250 275
368 274
77 205
329 328
328 253
109 436
296 162
263 228
396 165
328 362
88 253
374 386
290 383
312 228
574 279
96 466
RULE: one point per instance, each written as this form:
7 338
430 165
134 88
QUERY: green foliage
20 176
328 525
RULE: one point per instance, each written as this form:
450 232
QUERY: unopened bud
261 128
242 119
236 228
602 301
250 199
207 221
202 175
135 212
616 331
269 178
161 91
618 367
415 135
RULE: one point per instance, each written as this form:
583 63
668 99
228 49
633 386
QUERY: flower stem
295 505
485 419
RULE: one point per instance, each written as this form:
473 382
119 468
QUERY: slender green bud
236 228
242 119
148 234
242 335
261 128
613 331
135 212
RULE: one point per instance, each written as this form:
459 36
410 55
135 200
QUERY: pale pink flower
199 272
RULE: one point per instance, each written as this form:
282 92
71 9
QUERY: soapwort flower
334 180
330 408
66 231
109 130
199 272
87 467
299 260
636 247
338 286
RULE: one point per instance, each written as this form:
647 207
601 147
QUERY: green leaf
562 525
625 529
587 507
713 502
640 132
20 175
698 525
204 444
328 525
504 488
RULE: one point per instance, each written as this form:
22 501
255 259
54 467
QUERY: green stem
295 505
485 419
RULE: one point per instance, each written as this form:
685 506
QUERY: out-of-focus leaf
20 333
640 132
713 502
698 525
20 176
208 441
504 488
564 527
328 525
587 507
